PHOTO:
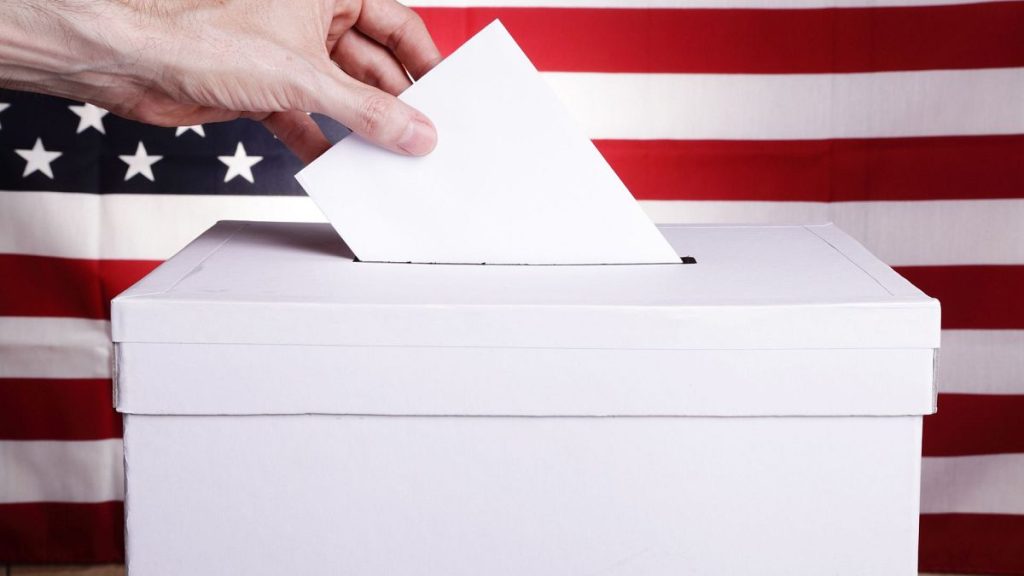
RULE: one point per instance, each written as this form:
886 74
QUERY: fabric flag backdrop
900 120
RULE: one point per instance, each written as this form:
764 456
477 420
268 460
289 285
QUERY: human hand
185 62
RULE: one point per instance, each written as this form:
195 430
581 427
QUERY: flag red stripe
934 168
973 297
977 543
749 40
969 424
48 286
64 532
979 297
61 532
57 409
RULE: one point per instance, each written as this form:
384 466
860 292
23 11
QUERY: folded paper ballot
513 179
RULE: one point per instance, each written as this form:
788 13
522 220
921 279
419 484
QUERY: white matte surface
261 379
608 463
784 320
512 181
403 496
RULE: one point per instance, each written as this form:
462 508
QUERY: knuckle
296 132
374 114
148 113
411 22
370 76
154 110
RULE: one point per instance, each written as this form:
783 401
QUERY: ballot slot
682 260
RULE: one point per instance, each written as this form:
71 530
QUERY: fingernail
419 137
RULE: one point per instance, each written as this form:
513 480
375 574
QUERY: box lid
752 287
274 318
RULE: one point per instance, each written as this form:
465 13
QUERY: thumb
374 114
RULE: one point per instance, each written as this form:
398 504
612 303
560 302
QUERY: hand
184 62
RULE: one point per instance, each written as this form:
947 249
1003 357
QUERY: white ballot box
290 410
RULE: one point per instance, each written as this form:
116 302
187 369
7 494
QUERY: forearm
66 48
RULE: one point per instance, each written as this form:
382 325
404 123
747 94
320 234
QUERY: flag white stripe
982 362
902 233
61 471
54 348
91 471
640 4
128 226
989 484
794 106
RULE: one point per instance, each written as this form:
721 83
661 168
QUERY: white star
240 164
3 106
89 116
140 163
198 129
38 159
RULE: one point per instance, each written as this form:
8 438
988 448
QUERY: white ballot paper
513 179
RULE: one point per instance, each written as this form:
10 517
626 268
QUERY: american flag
900 120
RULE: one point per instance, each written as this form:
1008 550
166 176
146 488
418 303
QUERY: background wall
900 120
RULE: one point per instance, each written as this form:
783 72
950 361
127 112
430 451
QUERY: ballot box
754 408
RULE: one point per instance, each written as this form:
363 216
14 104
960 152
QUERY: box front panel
510 496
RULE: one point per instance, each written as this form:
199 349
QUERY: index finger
402 31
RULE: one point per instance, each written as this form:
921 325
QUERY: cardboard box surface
288 409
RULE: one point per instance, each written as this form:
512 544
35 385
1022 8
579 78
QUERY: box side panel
248 379
511 496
